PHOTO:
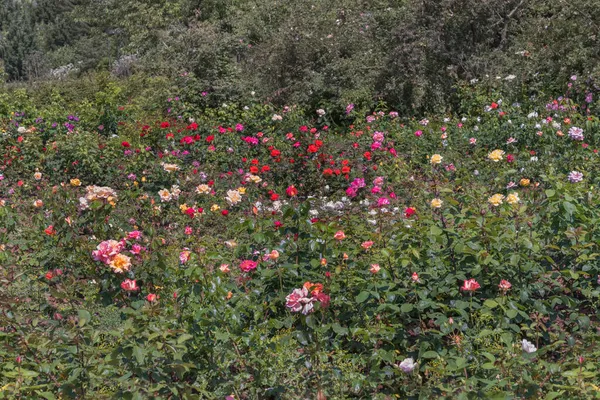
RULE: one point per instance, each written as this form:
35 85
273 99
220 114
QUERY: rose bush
258 252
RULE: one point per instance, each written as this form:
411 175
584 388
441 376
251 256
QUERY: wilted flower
170 167
504 285
98 193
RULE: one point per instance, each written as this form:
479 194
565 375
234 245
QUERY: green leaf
46 395
491 304
340 330
429 354
184 337
406 308
435 231
511 313
138 353
84 317
362 296
488 366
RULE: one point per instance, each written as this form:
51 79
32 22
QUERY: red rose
291 191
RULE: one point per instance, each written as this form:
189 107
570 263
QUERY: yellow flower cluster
436 203
436 159
496 199
496 155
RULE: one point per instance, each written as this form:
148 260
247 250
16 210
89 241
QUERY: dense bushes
255 251
411 55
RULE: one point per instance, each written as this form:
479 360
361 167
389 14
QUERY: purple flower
576 133
575 176
407 365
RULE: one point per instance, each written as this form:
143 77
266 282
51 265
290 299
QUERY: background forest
414 55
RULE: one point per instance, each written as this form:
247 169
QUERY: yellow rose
170 167
496 199
183 207
233 197
75 182
120 263
143 179
436 159
215 207
203 189
436 203
513 198
242 190
524 182
496 155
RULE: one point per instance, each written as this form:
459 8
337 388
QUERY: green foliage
71 328
411 55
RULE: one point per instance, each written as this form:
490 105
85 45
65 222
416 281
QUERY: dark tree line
409 53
